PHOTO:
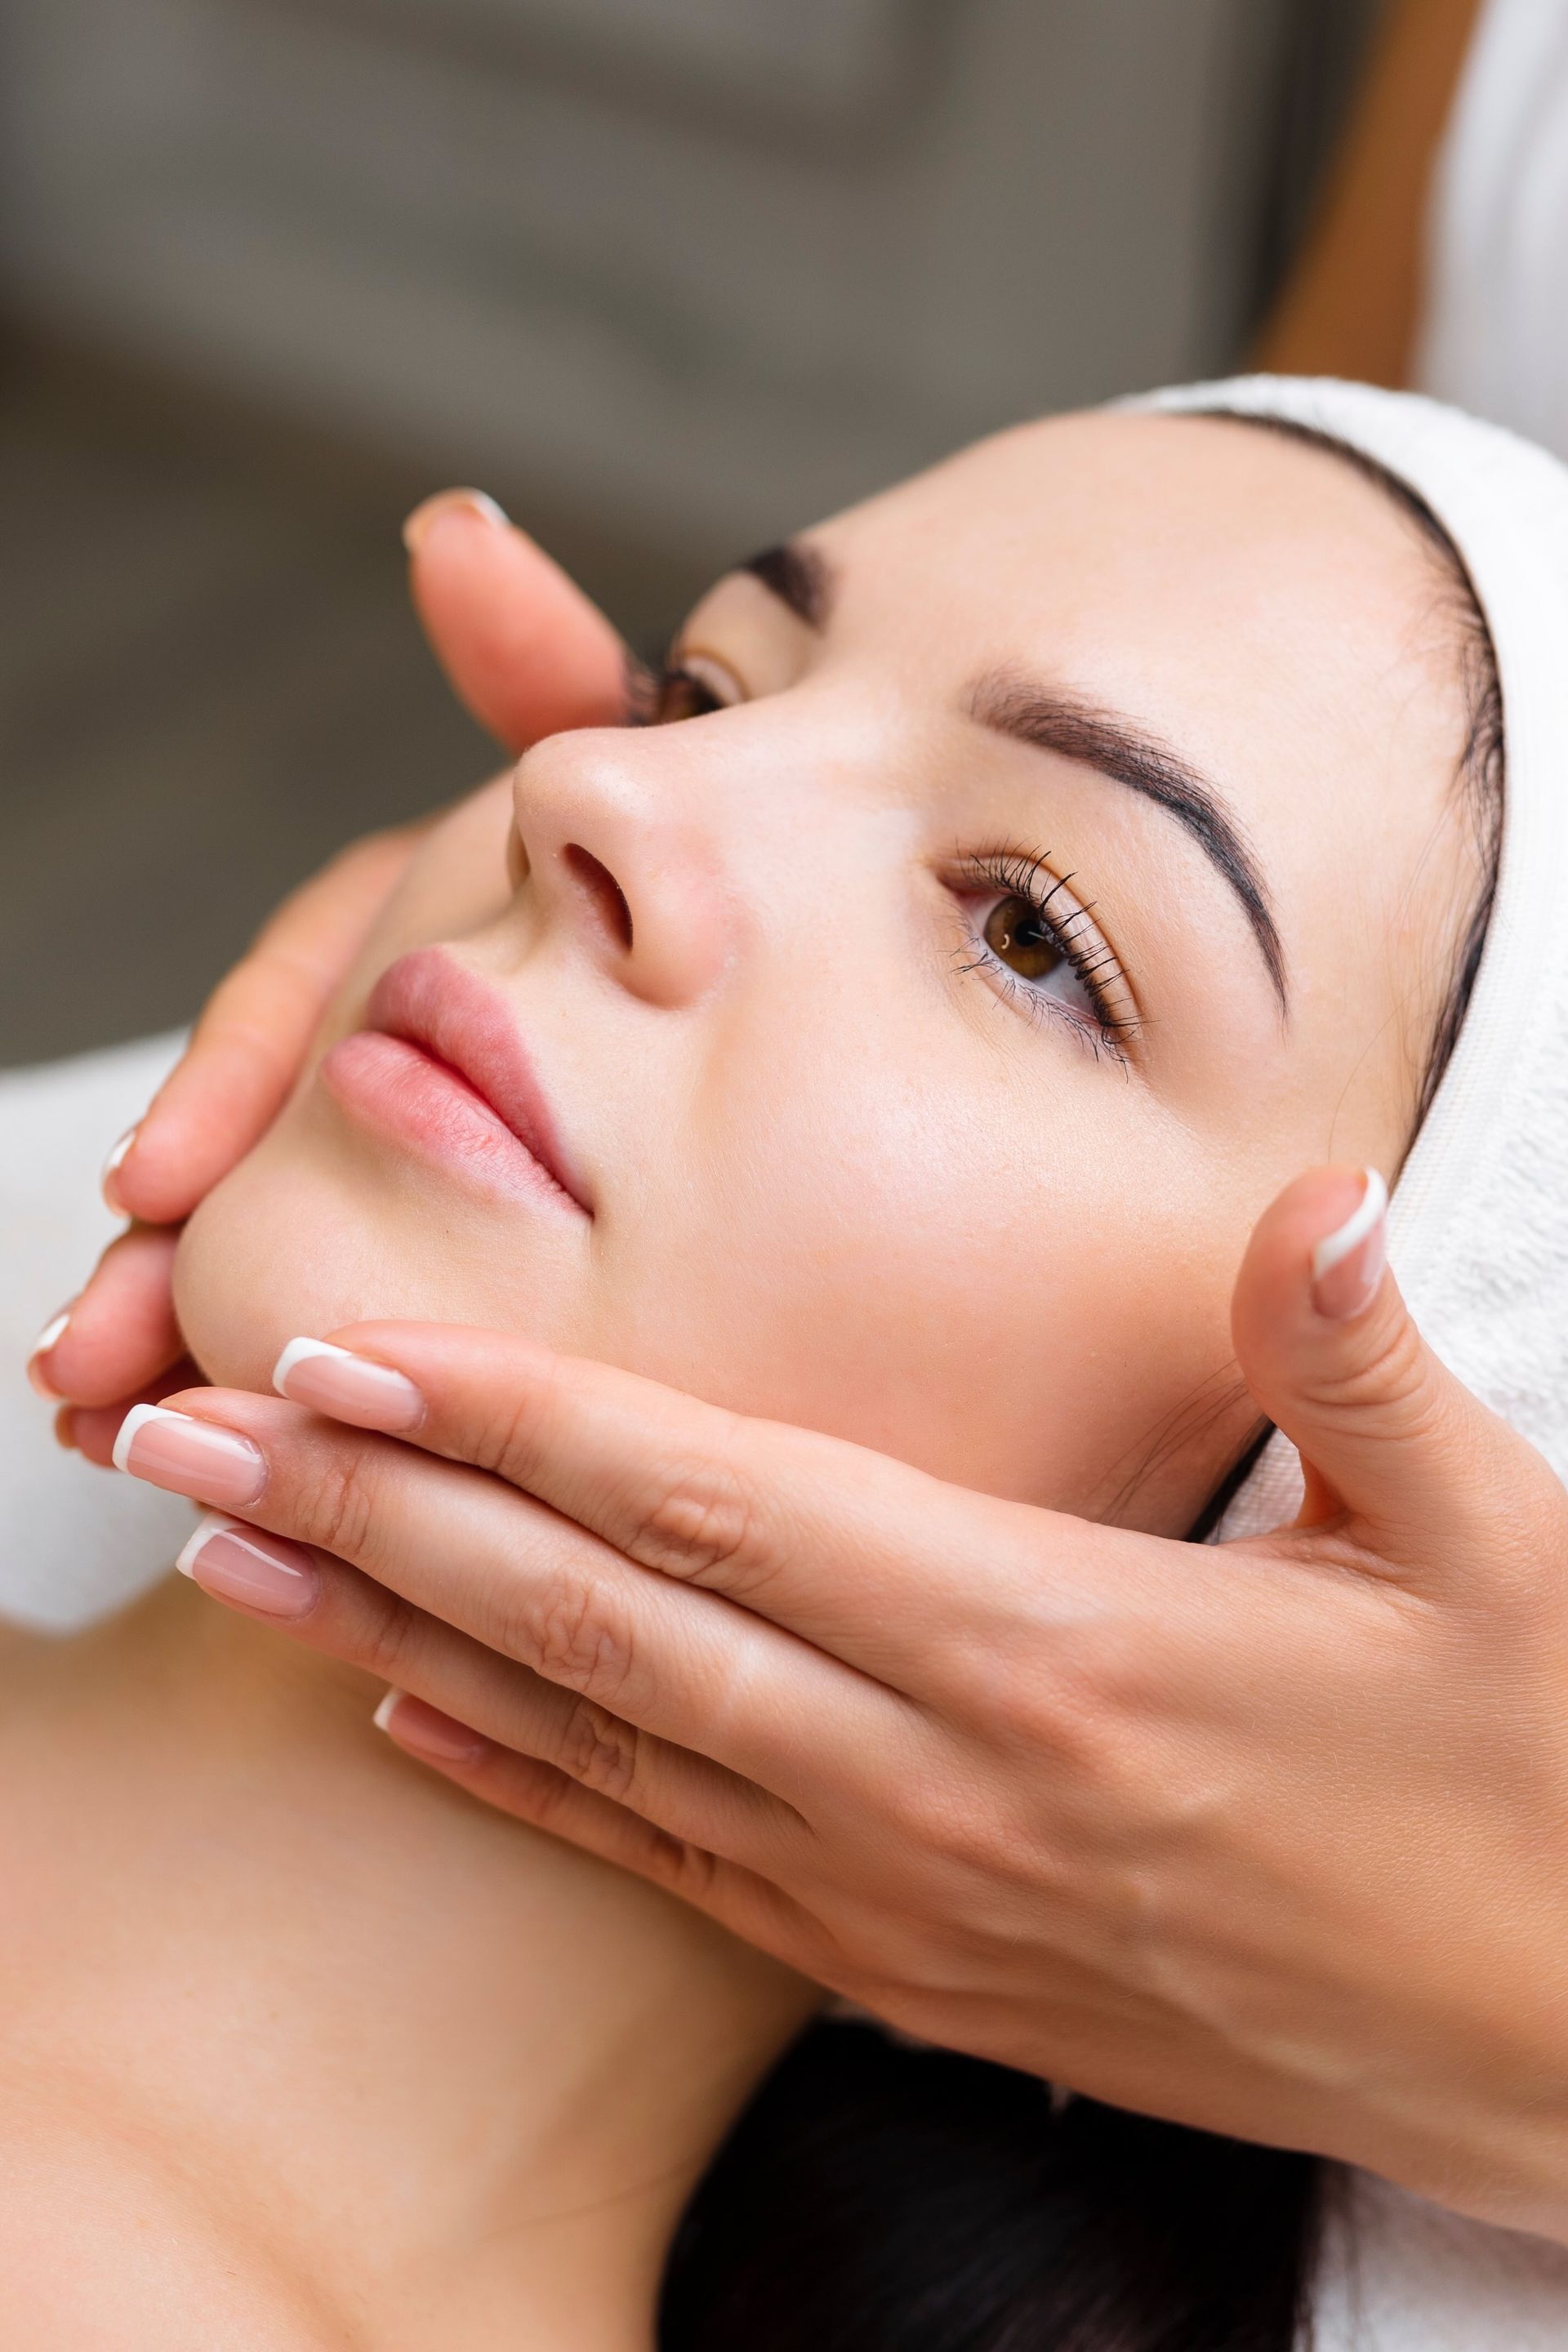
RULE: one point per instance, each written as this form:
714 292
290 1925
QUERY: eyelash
1012 872
1023 874
650 704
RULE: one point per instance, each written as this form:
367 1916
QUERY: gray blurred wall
673 275
703 267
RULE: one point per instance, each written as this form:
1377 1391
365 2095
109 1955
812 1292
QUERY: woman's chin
283 1248
298 1242
256 1266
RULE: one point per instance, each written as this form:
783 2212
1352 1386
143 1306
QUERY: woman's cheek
457 882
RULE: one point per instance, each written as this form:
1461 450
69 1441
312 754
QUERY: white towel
74 1542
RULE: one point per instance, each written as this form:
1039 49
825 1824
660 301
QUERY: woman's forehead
1227 583
1164 516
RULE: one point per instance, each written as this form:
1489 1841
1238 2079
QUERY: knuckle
545 1796
341 1506
703 1519
388 1641
688 1871
1388 1379
600 1750
572 1632
506 1438
520 1418
1072 1708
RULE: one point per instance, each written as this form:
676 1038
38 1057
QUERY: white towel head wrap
1478 1227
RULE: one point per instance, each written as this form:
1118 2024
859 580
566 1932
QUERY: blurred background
669 277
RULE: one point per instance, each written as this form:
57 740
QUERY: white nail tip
299 1351
384 1714
52 1333
137 1418
215 1524
119 1150
1339 1245
482 503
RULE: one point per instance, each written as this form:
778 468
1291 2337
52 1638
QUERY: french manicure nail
1347 1265
110 1190
189 1456
49 1337
236 1562
478 503
356 1389
426 1731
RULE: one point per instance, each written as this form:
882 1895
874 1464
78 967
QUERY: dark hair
878 2197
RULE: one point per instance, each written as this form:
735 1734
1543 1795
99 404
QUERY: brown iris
679 695
1018 938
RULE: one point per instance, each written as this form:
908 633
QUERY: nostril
602 888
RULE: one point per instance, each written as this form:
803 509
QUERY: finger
689 1667
751 1907
328 1606
252 1038
522 646
93 1430
1332 1355
120 1335
849 1550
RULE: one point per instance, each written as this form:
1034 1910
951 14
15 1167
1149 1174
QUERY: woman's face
1072 859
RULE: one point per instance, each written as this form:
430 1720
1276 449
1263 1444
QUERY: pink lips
439 1064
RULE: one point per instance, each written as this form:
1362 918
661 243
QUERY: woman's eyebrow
799 575
1116 746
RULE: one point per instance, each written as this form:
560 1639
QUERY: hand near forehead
527 653
1266 1837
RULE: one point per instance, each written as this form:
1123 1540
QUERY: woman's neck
424 2076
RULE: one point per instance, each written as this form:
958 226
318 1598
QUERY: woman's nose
611 844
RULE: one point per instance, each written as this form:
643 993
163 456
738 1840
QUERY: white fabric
1479 1225
1399 2276
1495 338
74 1542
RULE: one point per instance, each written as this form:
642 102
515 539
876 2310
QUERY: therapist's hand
527 653
1270 1837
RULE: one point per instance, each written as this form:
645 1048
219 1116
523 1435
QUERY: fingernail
478 503
110 1190
351 1388
426 1731
49 1337
189 1456
1347 1265
234 1562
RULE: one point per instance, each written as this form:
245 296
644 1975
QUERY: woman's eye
1018 938
1021 938
682 696
693 688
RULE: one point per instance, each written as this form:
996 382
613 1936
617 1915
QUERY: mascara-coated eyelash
1034 921
682 689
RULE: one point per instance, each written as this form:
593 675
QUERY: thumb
1332 1355
524 650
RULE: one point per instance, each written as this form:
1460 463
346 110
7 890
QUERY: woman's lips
439 1065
